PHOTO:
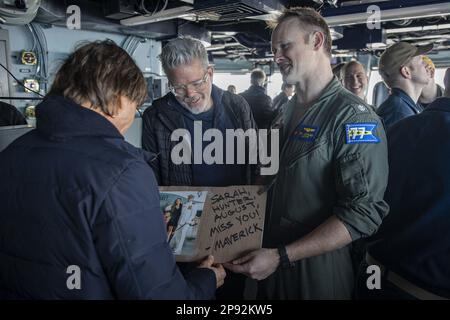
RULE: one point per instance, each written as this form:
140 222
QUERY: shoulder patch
305 132
361 133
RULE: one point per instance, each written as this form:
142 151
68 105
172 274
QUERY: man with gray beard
194 99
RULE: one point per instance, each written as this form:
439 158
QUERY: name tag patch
361 133
305 133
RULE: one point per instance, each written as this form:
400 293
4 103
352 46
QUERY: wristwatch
284 259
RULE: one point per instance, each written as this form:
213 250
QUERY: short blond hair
429 63
310 17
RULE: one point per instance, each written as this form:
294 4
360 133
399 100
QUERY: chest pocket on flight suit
301 149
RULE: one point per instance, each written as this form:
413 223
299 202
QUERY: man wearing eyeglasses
193 98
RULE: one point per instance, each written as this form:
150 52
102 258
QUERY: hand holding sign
257 265
218 269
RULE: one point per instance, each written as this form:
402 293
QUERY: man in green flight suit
333 173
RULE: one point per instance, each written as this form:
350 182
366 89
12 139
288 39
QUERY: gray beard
194 111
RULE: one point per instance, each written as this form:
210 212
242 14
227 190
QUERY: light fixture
206 44
414 12
335 35
417 29
168 14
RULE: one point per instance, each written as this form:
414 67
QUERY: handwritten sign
231 222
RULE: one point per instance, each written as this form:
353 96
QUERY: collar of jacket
256 90
440 104
58 118
172 118
331 89
406 98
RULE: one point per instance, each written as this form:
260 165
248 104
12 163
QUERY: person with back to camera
76 196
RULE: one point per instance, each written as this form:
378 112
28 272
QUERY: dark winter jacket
10 116
261 105
163 117
74 195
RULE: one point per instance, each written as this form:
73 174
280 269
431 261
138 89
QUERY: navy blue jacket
261 105
10 116
73 192
414 239
397 106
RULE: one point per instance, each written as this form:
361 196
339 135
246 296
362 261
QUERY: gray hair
182 51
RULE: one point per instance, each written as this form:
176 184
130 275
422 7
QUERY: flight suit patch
361 133
360 109
305 133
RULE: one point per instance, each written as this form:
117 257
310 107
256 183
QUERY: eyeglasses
181 90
